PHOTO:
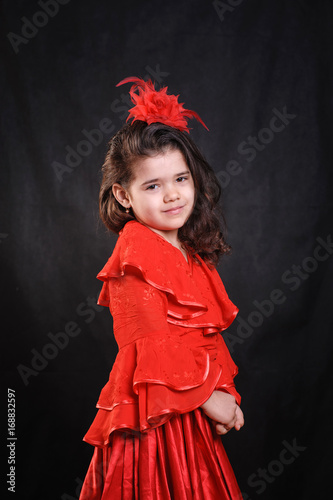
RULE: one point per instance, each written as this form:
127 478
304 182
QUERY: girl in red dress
171 394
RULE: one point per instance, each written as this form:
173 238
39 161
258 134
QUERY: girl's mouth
174 211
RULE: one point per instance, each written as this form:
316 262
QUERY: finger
221 429
240 420
239 424
231 423
240 417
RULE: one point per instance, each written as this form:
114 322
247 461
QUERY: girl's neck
171 236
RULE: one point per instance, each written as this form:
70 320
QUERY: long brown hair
203 232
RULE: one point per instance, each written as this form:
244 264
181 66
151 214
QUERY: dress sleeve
157 372
166 321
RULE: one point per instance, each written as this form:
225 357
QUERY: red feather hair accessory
153 106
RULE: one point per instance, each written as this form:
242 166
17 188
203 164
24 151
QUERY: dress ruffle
167 317
155 378
140 248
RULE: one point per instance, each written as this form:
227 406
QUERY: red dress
152 440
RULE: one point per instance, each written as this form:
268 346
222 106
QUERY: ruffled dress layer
152 439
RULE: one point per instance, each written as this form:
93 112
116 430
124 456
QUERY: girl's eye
152 187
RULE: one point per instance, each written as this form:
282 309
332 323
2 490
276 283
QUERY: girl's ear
121 195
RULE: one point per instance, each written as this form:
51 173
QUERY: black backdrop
259 74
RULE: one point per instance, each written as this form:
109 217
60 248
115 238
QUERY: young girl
170 395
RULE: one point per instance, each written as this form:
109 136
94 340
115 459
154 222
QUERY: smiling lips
174 211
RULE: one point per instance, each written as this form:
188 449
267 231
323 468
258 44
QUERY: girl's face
162 193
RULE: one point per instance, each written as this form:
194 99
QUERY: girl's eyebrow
155 180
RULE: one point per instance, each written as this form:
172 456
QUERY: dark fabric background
238 66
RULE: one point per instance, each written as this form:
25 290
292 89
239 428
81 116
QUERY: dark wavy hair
203 232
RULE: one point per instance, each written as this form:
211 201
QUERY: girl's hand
223 409
223 429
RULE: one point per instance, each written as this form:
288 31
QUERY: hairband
153 106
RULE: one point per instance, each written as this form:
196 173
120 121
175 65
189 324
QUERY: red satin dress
152 440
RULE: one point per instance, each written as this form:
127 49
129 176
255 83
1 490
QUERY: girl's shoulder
159 263
139 246
138 235
164 267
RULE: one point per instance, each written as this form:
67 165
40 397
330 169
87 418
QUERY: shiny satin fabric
183 459
150 382
152 440
167 315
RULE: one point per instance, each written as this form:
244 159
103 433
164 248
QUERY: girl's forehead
165 164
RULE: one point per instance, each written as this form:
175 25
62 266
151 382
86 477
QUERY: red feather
154 106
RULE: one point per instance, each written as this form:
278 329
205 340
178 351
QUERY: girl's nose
171 193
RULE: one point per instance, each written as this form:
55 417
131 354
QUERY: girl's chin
160 228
